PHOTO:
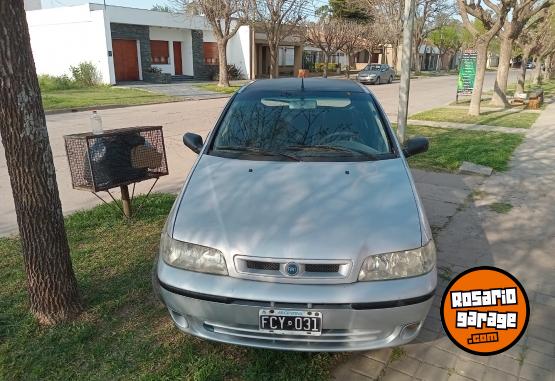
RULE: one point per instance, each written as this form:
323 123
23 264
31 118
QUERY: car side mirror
193 141
416 145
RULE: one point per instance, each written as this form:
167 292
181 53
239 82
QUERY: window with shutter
160 52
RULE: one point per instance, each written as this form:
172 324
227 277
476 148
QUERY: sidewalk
521 241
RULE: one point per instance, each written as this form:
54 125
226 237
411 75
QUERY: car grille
277 268
256 265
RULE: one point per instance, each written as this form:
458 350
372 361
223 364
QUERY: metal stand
125 201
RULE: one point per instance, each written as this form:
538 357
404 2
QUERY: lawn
217 89
124 333
450 147
492 118
99 96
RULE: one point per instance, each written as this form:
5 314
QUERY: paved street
197 116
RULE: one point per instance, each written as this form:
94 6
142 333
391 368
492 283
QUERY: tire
390 79
378 81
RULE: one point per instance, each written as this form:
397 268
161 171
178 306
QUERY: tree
492 18
447 38
161 8
350 10
429 15
225 18
388 15
51 283
375 34
521 13
328 34
528 42
354 40
278 19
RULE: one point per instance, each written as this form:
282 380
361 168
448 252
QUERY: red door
126 63
177 58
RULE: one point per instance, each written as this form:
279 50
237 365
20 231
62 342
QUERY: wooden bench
535 99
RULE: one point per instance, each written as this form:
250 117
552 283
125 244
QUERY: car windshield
302 126
373 67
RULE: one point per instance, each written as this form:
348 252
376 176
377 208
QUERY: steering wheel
347 134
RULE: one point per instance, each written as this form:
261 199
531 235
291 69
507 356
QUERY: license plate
288 322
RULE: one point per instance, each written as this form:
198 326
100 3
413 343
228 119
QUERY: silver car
299 226
376 74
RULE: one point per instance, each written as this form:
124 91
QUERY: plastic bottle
96 123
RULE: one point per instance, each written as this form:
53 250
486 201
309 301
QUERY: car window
373 67
322 126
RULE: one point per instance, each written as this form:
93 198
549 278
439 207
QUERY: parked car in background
376 74
299 226
530 65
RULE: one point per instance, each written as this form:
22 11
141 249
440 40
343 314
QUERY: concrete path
465 126
186 90
521 241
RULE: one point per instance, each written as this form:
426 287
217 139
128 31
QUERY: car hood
302 210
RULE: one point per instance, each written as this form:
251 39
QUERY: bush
85 74
51 82
154 70
233 73
319 67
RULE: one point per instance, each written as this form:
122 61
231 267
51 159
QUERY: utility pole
406 58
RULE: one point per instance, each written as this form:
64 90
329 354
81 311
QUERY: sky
146 4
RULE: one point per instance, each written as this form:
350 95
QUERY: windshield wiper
258 151
367 155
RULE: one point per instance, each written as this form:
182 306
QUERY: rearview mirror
416 145
193 141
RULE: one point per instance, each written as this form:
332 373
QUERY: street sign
467 73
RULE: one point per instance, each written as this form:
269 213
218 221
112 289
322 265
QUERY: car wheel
378 81
390 79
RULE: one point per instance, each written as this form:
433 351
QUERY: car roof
310 84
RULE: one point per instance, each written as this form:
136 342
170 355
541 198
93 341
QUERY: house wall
64 37
171 35
238 48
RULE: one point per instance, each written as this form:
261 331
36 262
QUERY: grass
99 96
450 147
547 86
124 333
491 118
217 89
500 207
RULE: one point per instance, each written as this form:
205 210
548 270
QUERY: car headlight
189 256
401 264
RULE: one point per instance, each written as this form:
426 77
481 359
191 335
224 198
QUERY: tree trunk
500 88
274 67
222 59
481 62
369 55
416 58
395 55
347 70
549 67
51 283
522 73
326 60
537 73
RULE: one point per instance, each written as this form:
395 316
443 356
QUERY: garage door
125 60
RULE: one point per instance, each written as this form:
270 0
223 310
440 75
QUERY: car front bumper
368 80
226 311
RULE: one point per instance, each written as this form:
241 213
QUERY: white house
125 42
